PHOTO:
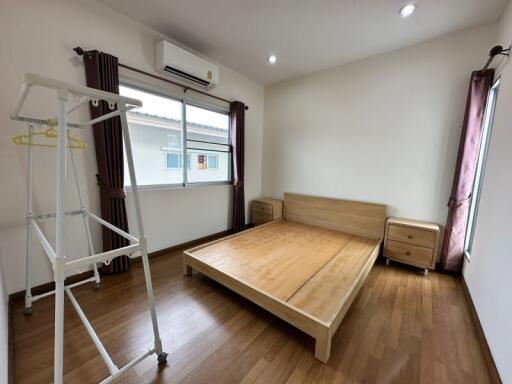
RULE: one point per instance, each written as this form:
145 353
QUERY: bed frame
321 291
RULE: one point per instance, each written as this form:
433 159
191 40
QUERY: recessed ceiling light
407 10
272 59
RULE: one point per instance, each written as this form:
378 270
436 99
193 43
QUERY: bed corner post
187 269
323 345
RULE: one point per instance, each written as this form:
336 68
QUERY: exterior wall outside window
153 138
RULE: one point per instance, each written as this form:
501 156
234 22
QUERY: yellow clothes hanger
50 133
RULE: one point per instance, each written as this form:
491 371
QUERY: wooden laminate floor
402 328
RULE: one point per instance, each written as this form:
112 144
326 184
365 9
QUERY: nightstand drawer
259 217
408 253
265 209
409 235
262 208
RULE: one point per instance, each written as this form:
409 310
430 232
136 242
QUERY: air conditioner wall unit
185 66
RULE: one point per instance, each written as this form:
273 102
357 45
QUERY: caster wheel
97 285
162 358
27 311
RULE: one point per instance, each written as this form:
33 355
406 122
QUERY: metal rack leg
58 370
59 262
162 356
28 284
28 256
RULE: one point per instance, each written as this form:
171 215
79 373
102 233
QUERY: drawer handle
408 253
409 237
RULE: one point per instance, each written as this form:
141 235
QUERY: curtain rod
495 51
79 51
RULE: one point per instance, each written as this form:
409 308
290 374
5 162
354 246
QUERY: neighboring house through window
172 140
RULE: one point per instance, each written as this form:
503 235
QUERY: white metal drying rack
59 262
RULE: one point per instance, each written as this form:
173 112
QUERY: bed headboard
354 217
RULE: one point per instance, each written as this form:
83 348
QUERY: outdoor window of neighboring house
213 161
201 162
156 130
174 160
207 162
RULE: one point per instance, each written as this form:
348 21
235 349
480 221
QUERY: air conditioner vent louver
185 65
179 73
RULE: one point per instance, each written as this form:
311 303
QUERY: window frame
185 149
148 88
476 190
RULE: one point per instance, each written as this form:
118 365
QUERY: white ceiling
305 35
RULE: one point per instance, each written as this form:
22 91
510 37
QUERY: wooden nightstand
411 242
265 209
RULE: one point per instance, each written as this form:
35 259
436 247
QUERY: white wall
383 129
38 37
488 273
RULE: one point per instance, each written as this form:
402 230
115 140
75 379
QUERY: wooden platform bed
306 268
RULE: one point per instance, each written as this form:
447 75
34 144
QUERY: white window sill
158 187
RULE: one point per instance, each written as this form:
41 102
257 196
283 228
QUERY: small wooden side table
411 242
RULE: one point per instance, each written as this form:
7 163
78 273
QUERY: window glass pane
155 129
208 145
206 125
484 146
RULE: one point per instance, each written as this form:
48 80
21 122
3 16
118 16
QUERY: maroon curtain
101 72
452 253
237 115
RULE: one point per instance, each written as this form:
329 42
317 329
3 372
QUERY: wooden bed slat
329 289
279 259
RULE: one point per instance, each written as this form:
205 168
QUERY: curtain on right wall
452 253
